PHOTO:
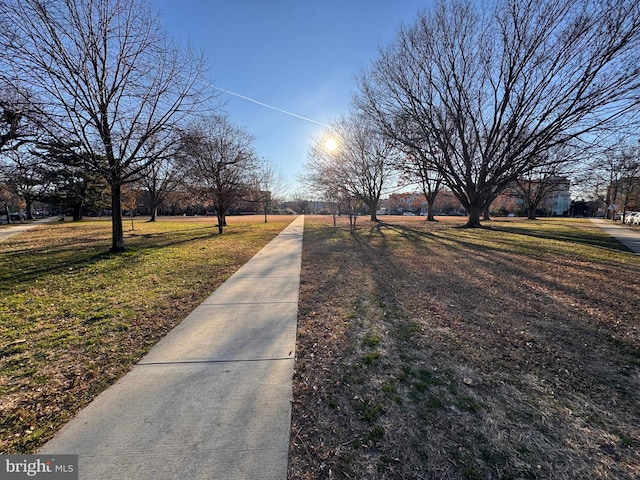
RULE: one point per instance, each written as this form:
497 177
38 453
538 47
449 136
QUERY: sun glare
331 144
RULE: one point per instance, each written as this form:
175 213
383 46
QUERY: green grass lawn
74 318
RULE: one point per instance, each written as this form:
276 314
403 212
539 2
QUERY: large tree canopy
105 76
492 86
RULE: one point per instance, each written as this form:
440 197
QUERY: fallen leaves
492 364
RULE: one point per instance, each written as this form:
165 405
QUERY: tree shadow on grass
531 341
78 253
584 236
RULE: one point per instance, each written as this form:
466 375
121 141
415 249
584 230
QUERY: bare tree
130 195
162 176
493 86
544 178
222 161
613 177
360 159
351 204
267 186
417 164
536 186
630 180
105 75
325 177
368 158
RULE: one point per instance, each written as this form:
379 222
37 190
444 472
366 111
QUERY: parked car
630 217
17 217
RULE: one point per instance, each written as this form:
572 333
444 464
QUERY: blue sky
299 56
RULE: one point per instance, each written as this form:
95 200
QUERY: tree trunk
352 222
28 202
531 213
474 217
77 211
430 202
485 212
6 210
117 235
221 219
154 210
373 207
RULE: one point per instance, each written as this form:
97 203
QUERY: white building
559 200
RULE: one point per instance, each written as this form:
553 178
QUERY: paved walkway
7 231
212 399
626 235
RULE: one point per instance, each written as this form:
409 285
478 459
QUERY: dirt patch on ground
427 351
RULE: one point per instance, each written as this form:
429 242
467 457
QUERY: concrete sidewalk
15 228
212 399
629 237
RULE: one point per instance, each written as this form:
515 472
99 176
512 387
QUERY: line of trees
103 75
94 93
476 96
612 176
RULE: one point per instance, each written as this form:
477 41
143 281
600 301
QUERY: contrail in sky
270 106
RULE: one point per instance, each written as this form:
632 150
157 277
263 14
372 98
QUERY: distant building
559 200
555 192
398 203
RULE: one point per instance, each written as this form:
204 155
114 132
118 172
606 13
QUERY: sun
331 144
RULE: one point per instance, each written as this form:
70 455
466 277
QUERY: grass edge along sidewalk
628 236
76 318
214 394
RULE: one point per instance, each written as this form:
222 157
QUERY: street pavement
212 399
628 236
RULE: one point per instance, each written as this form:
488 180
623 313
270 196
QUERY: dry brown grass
427 351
